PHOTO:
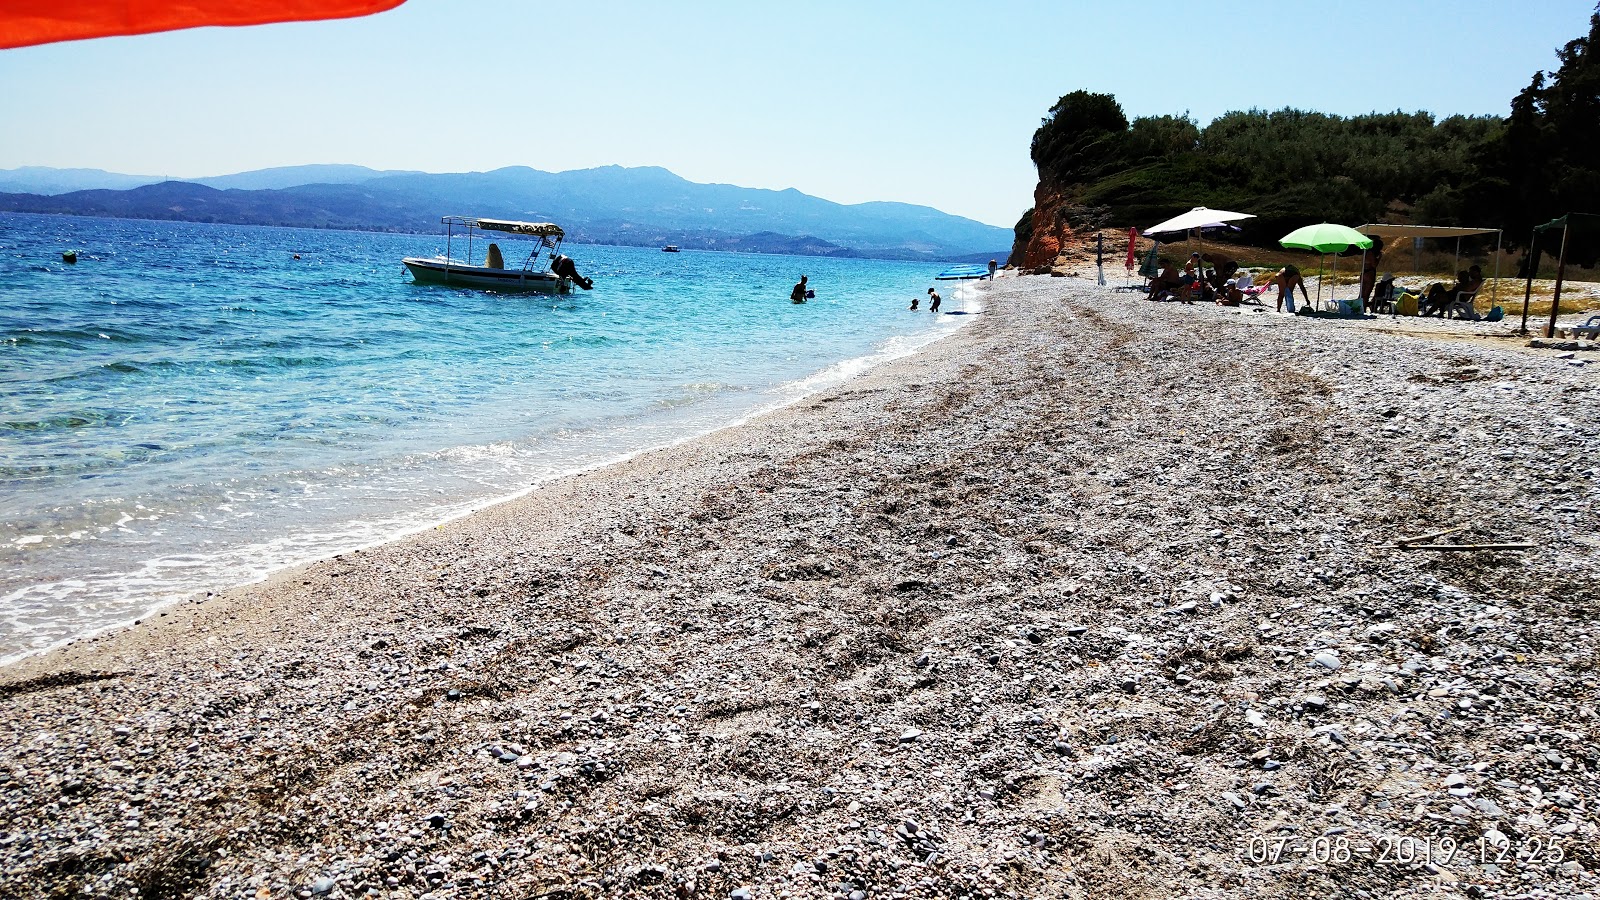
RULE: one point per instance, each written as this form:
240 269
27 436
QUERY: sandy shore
1092 599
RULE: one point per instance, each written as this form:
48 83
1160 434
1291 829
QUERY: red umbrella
27 22
1133 235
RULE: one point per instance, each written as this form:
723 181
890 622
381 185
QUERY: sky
926 102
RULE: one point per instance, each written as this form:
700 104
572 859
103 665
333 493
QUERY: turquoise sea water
191 407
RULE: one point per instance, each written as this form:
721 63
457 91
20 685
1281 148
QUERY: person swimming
562 266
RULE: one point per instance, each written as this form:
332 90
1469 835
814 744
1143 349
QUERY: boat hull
436 271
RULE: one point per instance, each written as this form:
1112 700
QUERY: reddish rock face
1050 228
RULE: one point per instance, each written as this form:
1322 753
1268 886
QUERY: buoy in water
69 256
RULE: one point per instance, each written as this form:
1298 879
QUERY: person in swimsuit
1369 269
1222 268
1168 280
798 295
1286 280
933 300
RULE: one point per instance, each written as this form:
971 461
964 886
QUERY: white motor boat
540 273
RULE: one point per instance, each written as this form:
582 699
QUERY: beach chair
1589 329
1148 268
1462 308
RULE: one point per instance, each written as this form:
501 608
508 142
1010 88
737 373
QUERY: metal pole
1494 293
1361 282
1527 294
1561 271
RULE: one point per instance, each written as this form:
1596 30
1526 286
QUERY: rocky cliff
1059 223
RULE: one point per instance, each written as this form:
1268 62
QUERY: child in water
933 297
915 301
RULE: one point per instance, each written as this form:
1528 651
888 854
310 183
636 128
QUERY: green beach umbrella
1326 237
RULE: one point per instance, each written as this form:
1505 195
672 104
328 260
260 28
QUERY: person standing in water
933 300
798 295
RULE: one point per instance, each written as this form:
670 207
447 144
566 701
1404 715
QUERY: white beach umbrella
1199 217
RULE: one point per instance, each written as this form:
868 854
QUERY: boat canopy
536 229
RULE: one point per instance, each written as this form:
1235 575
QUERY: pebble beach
1092 598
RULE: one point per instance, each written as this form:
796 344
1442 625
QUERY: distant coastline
637 207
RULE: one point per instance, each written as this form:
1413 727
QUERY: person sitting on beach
1165 283
1384 293
1230 295
1441 299
798 295
1286 280
1464 293
933 300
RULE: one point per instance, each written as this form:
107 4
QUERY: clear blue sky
923 102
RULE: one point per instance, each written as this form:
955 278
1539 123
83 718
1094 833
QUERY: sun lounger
1589 329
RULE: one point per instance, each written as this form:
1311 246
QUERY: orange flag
27 22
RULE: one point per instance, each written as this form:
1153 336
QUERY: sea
191 406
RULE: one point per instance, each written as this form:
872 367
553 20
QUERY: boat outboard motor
563 266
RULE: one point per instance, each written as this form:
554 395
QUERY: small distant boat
555 274
69 256
670 248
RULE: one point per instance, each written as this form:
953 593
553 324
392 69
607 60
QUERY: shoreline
786 394
1069 603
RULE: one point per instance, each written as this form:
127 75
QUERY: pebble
1329 661
676 705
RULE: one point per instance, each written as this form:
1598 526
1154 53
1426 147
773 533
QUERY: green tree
1547 163
1082 134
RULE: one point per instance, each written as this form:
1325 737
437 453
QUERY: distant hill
45 180
609 205
48 181
295 176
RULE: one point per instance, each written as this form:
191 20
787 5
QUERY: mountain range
644 206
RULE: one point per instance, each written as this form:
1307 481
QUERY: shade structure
1326 237
1199 217
24 23
1420 232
